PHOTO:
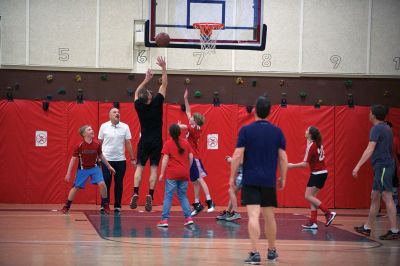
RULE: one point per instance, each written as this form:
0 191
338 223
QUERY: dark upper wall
332 91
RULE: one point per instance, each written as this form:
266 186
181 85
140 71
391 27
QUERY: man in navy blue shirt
380 150
261 146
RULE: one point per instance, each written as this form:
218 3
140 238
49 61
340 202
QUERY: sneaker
102 209
149 203
162 223
254 258
133 203
233 216
188 221
210 205
361 229
329 218
65 210
117 209
310 226
106 209
390 236
197 207
222 215
272 255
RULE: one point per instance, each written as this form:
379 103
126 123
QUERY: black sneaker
254 258
362 230
149 203
197 207
133 203
390 236
272 255
223 215
210 205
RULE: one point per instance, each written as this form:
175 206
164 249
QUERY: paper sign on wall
41 138
212 142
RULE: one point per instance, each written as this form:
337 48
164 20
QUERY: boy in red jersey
175 167
88 152
197 171
314 158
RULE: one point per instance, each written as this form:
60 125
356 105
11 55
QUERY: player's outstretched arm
164 79
70 167
148 77
187 105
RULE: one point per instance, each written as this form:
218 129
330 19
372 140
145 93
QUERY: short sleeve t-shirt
193 137
113 138
88 154
178 167
315 157
382 135
262 142
150 117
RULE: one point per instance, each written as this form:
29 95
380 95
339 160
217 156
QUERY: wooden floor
41 235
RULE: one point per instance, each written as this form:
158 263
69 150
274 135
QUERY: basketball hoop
208 40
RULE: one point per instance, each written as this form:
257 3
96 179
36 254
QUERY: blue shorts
82 176
383 178
197 170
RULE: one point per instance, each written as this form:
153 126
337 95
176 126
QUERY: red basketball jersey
88 154
193 137
178 167
315 157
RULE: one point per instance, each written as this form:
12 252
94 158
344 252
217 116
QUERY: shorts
82 176
256 195
317 180
149 150
383 178
197 170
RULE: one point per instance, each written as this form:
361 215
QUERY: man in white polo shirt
115 135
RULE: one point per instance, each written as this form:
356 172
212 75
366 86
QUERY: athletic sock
196 200
323 208
151 193
104 201
136 190
313 217
208 197
68 204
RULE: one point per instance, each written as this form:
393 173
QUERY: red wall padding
32 174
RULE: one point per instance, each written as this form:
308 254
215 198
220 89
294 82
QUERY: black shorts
256 195
317 180
149 150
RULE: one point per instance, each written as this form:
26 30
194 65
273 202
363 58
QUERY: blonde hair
199 119
82 129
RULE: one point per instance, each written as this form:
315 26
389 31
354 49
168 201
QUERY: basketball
162 39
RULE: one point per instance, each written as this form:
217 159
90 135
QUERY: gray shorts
383 178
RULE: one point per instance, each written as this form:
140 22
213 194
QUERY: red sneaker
162 223
106 209
188 221
65 210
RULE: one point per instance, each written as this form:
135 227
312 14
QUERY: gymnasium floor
40 235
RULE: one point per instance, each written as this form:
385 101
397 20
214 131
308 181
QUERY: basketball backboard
242 19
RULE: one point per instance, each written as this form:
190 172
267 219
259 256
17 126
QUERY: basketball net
209 32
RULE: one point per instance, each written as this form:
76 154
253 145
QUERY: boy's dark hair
263 107
175 132
379 111
143 95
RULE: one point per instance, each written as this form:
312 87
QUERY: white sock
196 200
395 231
208 197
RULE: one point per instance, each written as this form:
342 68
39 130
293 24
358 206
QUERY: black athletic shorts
256 195
149 150
317 180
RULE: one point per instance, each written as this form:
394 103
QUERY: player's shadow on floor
143 225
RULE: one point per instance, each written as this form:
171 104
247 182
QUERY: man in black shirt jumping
150 113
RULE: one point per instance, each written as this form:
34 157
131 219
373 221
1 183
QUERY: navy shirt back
382 135
261 141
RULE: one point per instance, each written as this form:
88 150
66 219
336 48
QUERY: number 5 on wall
63 54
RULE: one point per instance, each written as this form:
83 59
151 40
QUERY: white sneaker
310 225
